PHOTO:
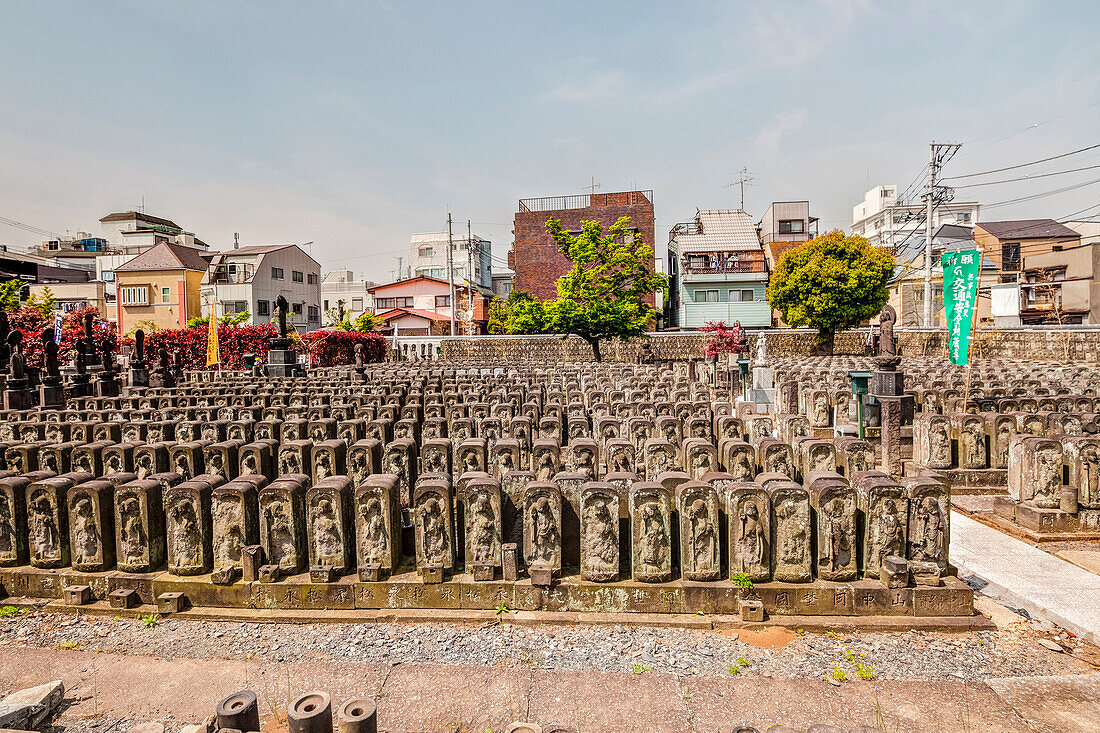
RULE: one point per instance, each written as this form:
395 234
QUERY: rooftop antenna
743 178
592 187
236 240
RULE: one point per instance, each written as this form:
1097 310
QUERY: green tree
341 320
229 319
43 302
603 294
10 292
831 283
520 312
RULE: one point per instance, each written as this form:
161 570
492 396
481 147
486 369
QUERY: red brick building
535 257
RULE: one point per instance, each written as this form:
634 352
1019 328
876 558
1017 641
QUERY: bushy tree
603 294
341 320
831 283
520 312
10 292
229 319
43 302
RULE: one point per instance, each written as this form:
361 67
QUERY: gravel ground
1015 650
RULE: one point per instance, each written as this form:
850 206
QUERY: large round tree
831 283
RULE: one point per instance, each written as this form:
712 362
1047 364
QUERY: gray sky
355 124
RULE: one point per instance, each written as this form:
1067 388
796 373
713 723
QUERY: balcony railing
583 201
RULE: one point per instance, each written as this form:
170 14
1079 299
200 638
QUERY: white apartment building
251 278
885 220
341 285
472 258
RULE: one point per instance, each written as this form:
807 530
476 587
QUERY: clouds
781 125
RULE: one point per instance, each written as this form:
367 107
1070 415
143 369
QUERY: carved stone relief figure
182 466
928 545
1048 477
44 538
325 530
323 469
654 541
86 539
887 533
228 531
132 531
792 519
280 537
290 461
751 549
837 531
973 445
186 536
939 444
482 529
819 409
250 464
374 542
143 465
600 545
433 527
7 528
544 528
703 541
434 460
545 464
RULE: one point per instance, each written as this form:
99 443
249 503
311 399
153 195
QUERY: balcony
584 201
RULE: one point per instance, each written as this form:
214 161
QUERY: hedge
31 323
329 348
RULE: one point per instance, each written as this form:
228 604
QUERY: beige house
160 288
1008 243
70 297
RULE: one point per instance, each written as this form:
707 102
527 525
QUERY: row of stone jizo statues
635 447
770 528
984 440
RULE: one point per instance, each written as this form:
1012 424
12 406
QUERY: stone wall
1064 344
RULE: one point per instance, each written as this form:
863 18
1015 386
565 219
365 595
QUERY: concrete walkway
1022 576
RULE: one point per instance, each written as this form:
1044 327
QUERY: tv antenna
744 178
592 186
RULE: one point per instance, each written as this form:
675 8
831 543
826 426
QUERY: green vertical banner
960 289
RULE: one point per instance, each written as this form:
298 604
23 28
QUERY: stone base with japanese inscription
406 590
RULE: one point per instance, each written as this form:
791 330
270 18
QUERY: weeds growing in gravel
9 612
502 608
838 674
69 646
150 621
733 668
640 668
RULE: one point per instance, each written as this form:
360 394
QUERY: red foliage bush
328 348
723 339
30 322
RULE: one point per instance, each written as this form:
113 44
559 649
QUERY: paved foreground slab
1023 576
117 690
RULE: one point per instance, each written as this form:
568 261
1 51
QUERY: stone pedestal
18 395
762 391
80 386
51 394
282 360
139 376
107 385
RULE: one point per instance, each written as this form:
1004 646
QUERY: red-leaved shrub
328 348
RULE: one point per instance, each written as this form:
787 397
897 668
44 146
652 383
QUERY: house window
394 302
276 273
426 252
706 296
239 306
962 218
312 279
314 314
1010 256
165 294
262 307
297 276
442 301
791 226
296 308
357 304
741 296
326 305
134 295
698 262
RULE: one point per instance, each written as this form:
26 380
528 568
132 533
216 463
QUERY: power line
1023 165
1044 194
1028 178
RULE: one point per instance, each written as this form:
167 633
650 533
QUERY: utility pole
451 270
938 154
470 275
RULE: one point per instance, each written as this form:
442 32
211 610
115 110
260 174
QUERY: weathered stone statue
281 307
887 345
